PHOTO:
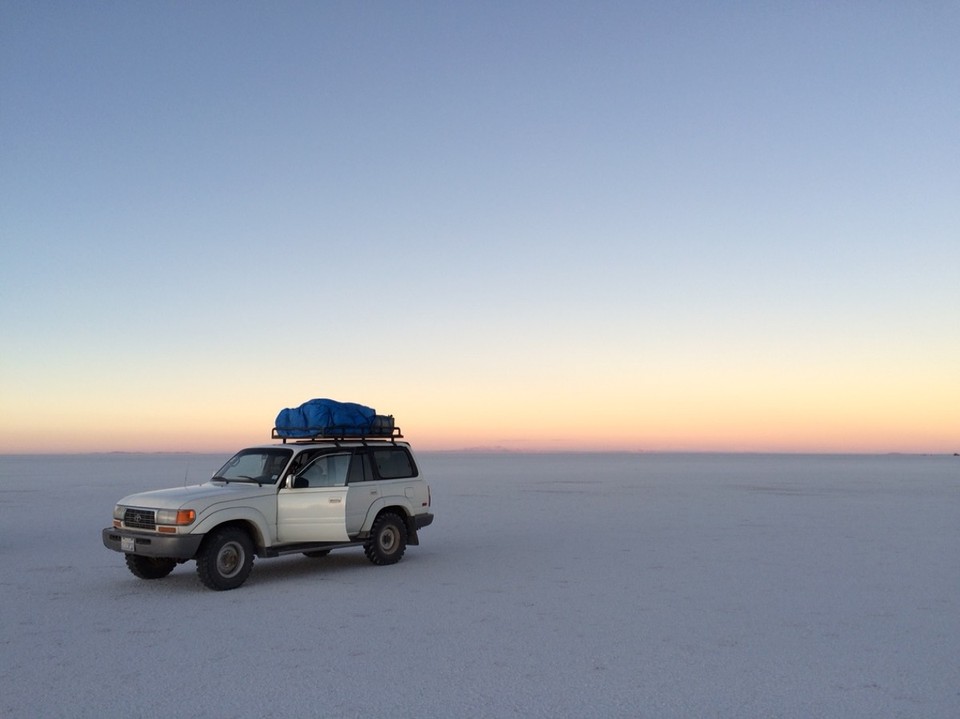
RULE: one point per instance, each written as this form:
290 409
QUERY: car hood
207 493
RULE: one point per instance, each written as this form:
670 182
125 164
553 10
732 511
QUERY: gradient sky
531 225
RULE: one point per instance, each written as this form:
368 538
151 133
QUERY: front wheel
388 539
225 559
149 567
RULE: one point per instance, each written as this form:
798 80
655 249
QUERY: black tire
225 559
388 539
317 553
149 567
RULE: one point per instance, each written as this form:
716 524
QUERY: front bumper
175 546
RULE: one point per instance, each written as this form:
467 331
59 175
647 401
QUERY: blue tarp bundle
325 417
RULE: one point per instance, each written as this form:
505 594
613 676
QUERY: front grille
140 518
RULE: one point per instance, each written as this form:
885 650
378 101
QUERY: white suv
307 497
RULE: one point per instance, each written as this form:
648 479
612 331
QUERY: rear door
379 472
311 507
362 491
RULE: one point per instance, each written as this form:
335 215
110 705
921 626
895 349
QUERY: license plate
127 544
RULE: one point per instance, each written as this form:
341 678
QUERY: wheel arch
246 524
400 509
397 505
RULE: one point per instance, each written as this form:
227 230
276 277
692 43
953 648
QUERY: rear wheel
150 567
225 559
388 539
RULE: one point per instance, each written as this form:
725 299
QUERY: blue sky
680 225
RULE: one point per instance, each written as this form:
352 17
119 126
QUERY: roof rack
380 426
335 434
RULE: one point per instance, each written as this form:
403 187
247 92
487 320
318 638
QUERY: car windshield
263 466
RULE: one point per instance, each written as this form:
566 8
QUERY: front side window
329 470
254 465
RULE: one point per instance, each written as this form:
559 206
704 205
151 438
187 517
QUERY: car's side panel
312 514
359 499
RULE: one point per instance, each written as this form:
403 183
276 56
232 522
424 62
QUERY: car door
362 491
311 507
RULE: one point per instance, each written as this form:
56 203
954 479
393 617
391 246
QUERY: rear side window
360 470
394 463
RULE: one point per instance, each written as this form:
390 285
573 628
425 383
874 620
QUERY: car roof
300 446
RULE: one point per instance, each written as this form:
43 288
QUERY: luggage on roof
320 418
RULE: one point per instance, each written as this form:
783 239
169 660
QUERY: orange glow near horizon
827 438
841 417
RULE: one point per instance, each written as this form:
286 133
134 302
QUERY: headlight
176 516
118 511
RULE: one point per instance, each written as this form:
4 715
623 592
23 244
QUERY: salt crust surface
611 585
